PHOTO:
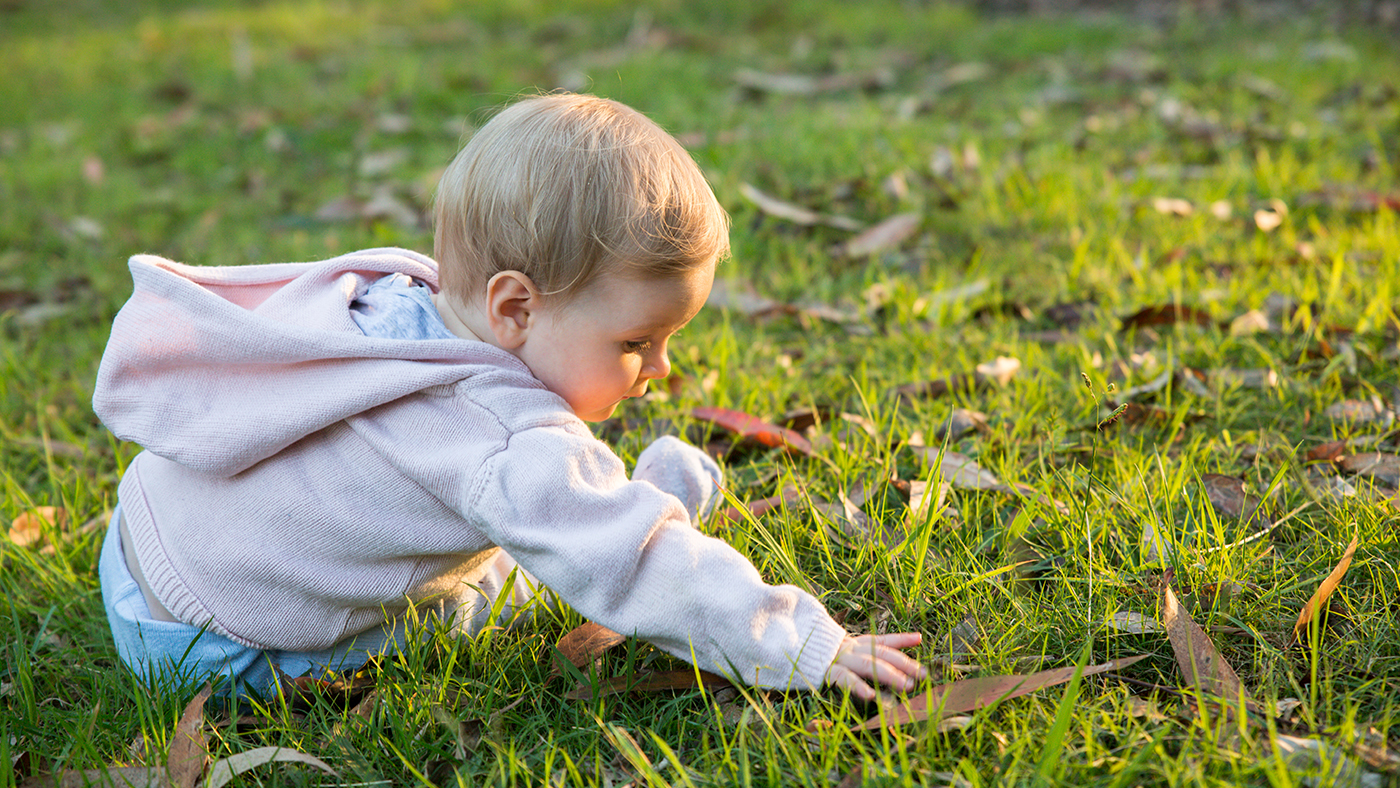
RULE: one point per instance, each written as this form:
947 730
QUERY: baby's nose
660 366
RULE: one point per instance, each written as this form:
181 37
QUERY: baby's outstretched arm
876 658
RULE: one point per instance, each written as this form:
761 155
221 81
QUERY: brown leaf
1384 468
960 422
1201 664
1227 495
1167 315
27 529
751 428
1361 411
972 694
189 749
1311 610
963 472
999 370
846 514
807 85
1070 315
763 506
662 681
587 642
1330 451
796 213
1244 378
1172 206
742 299
888 234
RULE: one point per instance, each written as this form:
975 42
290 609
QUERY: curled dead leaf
226 769
1167 315
1201 664
189 748
28 528
796 213
966 695
888 234
1384 468
1228 496
752 428
661 681
1313 608
586 642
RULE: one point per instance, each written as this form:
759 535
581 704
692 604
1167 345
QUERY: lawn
1084 326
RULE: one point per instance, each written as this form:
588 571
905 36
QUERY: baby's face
603 345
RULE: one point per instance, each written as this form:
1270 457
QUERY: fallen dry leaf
1384 468
1172 206
807 85
1311 610
587 642
846 515
963 472
971 694
727 294
1342 772
1330 451
661 681
796 213
1150 387
27 529
1361 411
888 234
1167 315
1244 378
1267 219
1133 623
762 506
999 370
1228 496
189 749
226 769
926 500
1201 664
753 429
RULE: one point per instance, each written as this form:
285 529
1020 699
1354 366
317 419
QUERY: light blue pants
179 652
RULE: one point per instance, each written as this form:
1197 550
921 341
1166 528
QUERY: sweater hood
218 368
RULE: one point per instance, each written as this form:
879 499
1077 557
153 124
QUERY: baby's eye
641 346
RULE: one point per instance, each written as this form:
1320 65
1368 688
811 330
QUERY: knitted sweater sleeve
623 553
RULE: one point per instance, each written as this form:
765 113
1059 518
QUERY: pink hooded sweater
301 479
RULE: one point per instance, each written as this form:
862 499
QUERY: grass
213 133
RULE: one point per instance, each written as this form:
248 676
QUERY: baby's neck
452 319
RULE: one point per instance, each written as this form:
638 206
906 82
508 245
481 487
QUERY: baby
334 448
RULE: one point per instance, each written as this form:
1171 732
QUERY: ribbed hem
156 567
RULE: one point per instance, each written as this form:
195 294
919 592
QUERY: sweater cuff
820 652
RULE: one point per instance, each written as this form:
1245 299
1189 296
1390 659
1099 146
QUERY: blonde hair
563 187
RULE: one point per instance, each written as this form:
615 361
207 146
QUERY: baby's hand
875 657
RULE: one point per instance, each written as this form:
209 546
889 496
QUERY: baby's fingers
886 648
874 666
840 676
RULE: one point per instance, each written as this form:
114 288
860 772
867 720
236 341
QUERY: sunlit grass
213 134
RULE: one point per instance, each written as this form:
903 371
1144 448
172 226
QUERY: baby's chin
598 415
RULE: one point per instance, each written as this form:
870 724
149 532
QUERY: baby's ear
511 301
